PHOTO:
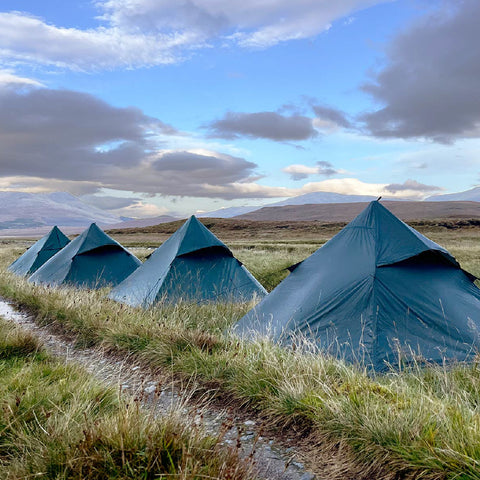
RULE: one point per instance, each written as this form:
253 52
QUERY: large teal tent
192 265
92 260
39 252
376 292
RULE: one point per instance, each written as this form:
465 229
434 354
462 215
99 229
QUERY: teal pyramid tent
192 265
376 292
39 252
92 260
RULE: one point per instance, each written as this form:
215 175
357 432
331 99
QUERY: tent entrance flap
430 257
208 251
101 250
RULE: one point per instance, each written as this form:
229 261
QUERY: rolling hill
322 197
344 212
472 195
307 198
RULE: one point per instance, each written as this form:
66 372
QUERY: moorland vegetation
418 422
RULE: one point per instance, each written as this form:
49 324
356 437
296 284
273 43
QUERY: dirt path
272 461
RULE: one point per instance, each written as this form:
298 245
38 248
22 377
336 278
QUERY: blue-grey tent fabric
378 292
92 260
39 252
192 265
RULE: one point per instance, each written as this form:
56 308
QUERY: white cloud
152 32
353 186
346 186
30 39
228 191
142 209
9 79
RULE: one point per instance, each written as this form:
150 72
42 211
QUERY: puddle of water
9 313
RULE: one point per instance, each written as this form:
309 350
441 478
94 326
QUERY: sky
152 107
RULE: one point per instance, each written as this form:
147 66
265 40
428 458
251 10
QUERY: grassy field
418 423
267 248
56 422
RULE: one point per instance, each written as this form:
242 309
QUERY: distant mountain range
31 210
229 212
323 197
345 212
472 195
33 213
307 198
316 198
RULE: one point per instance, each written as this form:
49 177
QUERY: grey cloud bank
74 140
300 172
68 135
269 125
429 87
333 115
411 185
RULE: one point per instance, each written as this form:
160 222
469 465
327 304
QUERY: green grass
56 422
268 262
416 423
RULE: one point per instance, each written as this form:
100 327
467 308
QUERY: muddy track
160 394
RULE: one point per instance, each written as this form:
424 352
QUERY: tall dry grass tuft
15 342
56 422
